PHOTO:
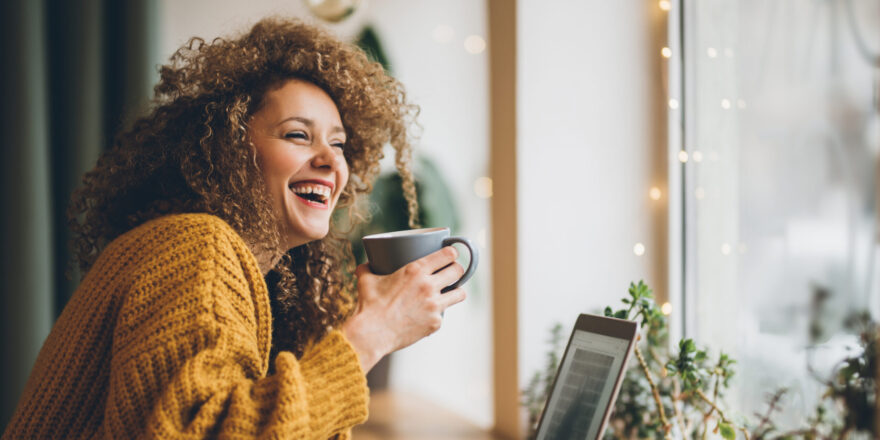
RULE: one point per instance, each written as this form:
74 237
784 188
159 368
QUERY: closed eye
295 135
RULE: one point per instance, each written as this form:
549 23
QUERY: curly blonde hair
192 153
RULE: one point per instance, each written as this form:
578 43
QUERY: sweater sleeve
189 358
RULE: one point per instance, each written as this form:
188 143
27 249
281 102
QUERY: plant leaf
727 431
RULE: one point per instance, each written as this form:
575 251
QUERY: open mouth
313 194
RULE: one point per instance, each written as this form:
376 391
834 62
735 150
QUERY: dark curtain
73 73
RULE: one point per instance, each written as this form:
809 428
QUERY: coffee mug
390 251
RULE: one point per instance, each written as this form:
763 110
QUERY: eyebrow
309 123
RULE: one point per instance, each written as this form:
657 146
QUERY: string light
664 5
673 103
725 104
666 52
683 156
725 249
666 308
655 193
711 52
697 156
474 44
483 187
639 249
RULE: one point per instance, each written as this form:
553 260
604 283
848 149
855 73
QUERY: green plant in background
856 381
388 210
679 394
853 386
369 41
539 387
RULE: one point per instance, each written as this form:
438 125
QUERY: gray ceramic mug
390 251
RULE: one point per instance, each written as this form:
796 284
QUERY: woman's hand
396 310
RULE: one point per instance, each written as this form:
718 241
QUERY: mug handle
472 266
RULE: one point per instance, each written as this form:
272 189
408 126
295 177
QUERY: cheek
345 175
279 164
343 182
343 170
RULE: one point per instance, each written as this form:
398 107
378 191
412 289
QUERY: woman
231 181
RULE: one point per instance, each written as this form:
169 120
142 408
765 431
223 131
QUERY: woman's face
299 139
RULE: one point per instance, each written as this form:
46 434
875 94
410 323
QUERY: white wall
451 367
584 121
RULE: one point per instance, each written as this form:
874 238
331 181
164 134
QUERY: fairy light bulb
483 187
683 156
666 52
639 249
666 308
664 5
474 44
655 193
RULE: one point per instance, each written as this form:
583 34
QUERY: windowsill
395 415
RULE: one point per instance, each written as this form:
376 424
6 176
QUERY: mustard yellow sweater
168 336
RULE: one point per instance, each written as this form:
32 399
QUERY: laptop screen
584 386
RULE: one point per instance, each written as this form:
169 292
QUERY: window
781 128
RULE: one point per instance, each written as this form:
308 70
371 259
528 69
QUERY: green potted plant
679 393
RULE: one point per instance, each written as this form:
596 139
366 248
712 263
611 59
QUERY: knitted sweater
168 336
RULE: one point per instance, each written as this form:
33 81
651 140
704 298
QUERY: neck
266 259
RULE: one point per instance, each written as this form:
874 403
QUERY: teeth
311 188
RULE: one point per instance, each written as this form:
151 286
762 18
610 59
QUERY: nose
326 156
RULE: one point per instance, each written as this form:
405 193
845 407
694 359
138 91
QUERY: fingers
448 275
452 298
434 261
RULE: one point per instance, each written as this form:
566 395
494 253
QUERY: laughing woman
217 299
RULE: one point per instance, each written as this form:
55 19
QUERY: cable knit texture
168 336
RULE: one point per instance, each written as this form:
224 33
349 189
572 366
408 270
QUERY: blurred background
724 151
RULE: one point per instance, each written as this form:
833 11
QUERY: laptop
588 379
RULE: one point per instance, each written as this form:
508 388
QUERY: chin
299 237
